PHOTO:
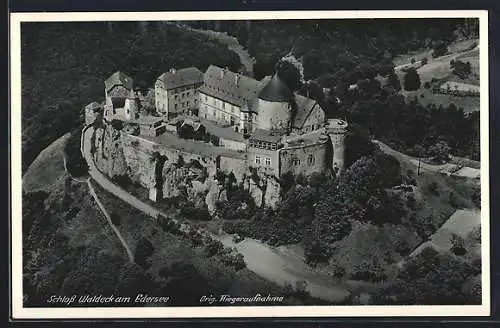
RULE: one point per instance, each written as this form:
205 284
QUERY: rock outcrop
108 151
174 175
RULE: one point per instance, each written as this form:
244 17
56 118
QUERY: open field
439 68
427 53
426 96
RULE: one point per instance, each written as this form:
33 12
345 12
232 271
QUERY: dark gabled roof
181 77
304 108
221 83
118 78
264 135
276 91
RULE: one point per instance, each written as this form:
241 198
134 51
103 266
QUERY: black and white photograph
205 165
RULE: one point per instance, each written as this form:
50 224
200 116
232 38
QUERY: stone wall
167 172
305 159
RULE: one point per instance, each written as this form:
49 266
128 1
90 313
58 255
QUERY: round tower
131 108
274 106
337 130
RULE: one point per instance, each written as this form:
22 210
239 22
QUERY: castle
257 124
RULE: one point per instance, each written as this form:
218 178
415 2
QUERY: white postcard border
20 312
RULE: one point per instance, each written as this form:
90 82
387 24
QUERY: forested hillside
64 66
339 54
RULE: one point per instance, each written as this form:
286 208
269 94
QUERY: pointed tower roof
276 90
118 78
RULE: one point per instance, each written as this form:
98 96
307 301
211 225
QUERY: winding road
260 258
231 42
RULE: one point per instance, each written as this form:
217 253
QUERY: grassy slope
439 68
47 168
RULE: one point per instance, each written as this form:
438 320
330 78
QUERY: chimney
172 70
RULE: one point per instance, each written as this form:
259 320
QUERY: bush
215 140
117 124
411 80
368 271
433 188
115 219
457 245
439 49
75 163
143 252
232 258
213 247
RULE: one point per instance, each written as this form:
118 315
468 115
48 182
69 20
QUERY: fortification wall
305 159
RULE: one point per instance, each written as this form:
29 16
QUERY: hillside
47 168
60 77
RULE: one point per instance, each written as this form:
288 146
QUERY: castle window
268 161
296 162
310 160
176 97
175 106
223 105
257 159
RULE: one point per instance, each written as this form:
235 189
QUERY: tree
460 69
75 163
289 74
440 152
439 49
143 252
393 81
411 80
115 218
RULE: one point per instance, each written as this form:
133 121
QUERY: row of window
259 160
310 160
183 105
182 95
215 102
263 145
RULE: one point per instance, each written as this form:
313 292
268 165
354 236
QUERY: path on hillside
103 210
232 44
467 172
438 60
260 258
110 223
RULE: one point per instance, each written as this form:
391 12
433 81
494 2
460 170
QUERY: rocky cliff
174 174
108 151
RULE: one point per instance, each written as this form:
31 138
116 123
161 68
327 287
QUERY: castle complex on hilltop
262 124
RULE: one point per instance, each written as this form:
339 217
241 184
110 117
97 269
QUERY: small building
92 111
176 91
262 150
151 126
117 88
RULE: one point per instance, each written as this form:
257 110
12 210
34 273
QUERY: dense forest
340 51
64 66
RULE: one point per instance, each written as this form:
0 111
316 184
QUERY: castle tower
337 130
274 106
131 107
